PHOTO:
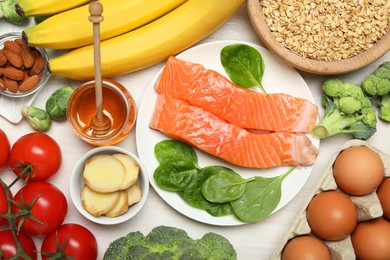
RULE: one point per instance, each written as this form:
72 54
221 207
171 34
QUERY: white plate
278 77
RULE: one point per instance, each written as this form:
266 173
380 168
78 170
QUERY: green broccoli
165 242
377 87
347 111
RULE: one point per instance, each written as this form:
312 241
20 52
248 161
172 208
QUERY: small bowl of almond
23 69
109 185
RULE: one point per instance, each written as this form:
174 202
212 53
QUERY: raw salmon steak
248 109
193 125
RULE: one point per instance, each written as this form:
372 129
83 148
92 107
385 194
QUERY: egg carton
368 207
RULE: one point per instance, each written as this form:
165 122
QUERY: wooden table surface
252 241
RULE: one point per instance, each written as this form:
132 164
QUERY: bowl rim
45 74
76 177
380 48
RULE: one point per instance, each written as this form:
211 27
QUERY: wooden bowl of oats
323 37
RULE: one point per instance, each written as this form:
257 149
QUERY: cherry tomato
3 204
5 148
50 207
79 242
39 151
9 248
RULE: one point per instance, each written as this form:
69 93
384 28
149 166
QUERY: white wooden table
252 241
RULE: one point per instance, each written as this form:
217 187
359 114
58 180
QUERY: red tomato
49 208
9 248
3 204
79 242
5 148
39 151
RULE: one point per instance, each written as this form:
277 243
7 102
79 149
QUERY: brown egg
371 239
305 248
331 215
384 197
358 170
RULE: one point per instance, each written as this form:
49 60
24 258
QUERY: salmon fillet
245 108
206 131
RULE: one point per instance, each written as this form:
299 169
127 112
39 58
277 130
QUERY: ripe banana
72 28
150 44
26 8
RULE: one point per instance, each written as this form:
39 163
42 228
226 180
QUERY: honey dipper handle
100 124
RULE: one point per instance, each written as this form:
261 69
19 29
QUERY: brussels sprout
57 103
8 11
38 118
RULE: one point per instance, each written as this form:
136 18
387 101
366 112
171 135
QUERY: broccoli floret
218 246
120 248
165 242
377 87
347 111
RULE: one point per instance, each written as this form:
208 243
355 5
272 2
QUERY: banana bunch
72 28
155 41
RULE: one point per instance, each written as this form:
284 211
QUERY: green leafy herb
225 186
244 65
260 198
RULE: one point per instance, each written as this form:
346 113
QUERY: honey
118 107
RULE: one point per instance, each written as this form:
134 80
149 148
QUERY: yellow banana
71 29
27 8
150 44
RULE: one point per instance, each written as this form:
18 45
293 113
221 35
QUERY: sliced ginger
120 207
134 194
98 203
110 185
132 170
104 173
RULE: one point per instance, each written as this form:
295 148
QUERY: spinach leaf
260 198
220 209
170 150
192 194
224 186
244 65
175 175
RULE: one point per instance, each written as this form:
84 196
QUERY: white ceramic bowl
76 183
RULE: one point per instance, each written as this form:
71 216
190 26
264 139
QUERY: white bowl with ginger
109 185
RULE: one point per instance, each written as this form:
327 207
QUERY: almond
38 65
2 84
20 41
13 73
12 46
29 83
13 58
27 56
1 71
3 59
11 85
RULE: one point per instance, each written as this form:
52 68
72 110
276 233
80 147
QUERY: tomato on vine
5 148
9 248
43 207
37 153
70 240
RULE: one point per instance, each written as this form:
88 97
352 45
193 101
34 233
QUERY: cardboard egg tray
368 207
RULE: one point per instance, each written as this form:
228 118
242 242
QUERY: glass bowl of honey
118 106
